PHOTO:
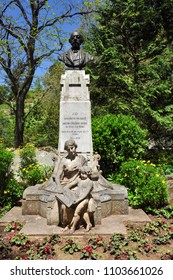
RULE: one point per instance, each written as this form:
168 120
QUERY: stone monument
76 192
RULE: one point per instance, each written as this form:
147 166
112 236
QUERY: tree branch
12 33
3 11
18 3
66 15
9 73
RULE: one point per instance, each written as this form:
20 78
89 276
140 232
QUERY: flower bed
150 241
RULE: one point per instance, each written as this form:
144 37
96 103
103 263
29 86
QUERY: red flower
70 241
24 258
88 249
47 248
171 229
98 239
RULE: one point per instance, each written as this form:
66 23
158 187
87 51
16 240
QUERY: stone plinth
75 111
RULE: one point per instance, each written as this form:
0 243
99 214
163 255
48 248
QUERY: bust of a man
75 58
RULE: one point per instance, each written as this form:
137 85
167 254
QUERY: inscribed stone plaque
75 122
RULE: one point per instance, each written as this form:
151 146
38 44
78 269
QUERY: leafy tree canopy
132 41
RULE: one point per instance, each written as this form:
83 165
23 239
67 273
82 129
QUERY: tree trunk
19 122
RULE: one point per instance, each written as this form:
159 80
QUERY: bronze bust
75 58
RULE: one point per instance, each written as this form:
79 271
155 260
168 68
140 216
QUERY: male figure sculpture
75 58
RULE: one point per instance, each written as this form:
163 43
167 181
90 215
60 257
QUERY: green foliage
146 184
12 193
34 174
28 156
6 158
117 138
19 239
133 70
164 239
71 247
30 171
6 127
10 189
168 169
41 126
167 212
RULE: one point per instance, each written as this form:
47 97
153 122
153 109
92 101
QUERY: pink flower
10 237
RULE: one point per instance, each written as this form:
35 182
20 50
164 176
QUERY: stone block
106 208
30 207
53 213
74 86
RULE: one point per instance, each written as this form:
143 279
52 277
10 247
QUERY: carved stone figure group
73 185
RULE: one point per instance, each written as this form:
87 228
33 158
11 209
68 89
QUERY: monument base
43 202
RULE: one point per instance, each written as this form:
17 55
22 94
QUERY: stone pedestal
75 111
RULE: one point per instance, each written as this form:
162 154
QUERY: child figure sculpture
78 194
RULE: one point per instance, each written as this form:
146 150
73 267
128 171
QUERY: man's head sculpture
76 40
75 58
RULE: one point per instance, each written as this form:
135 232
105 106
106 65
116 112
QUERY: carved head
69 143
76 40
86 170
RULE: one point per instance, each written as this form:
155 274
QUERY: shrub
12 193
30 171
10 190
117 138
146 184
6 126
35 173
6 158
28 156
